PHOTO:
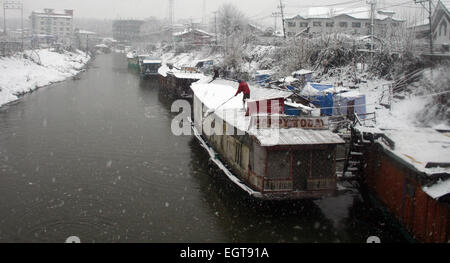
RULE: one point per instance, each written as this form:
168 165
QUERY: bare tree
231 24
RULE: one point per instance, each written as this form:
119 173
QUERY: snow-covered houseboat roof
423 148
151 61
214 94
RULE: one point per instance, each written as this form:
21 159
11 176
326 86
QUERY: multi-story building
58 24
353 22
127 30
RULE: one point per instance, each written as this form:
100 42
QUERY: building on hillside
127 30
194 37
319 20
49 22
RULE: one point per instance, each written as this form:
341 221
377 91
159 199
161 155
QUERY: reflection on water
95 158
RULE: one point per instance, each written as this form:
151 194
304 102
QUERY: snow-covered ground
30 70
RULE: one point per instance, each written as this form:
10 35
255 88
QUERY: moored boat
267 153
149 66
133 61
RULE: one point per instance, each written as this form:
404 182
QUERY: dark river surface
95 158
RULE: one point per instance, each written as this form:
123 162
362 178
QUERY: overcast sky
258 10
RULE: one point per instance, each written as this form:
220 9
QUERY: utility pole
171 18
276 15
281 6
204 13
215 26
373 4
430 18
13 5
4 19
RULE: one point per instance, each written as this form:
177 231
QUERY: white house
58 24
322 20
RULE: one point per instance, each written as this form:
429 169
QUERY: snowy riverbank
31 70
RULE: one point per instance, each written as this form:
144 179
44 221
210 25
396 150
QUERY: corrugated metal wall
397 186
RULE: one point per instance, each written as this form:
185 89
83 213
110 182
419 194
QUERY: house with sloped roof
194 37
441 26
322 20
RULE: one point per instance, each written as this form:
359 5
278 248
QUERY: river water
95 158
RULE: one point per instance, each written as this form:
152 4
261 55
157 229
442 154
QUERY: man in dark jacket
243 87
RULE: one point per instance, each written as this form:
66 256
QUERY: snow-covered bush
435 83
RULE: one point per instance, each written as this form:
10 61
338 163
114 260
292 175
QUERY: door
301 165
351 110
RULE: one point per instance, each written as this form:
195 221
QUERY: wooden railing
270 185
321 183
278 185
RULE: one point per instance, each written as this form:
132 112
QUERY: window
394 24
330 24
317 23
343 24
291 24
443 27
356 24
368 25
304 24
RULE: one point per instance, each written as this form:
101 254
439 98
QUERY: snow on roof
214 94
298 106
131 55
192 30
187 75
101 46
151 61
163 70
351 94
85 32
288 80
439 189
52 14
315 89
302 72
421 146
358 13
264 72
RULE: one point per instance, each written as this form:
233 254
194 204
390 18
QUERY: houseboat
407 172
177 82
267 153
149 67
133 61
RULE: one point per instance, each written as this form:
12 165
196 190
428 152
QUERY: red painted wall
396 186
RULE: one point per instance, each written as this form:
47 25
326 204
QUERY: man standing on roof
243 87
